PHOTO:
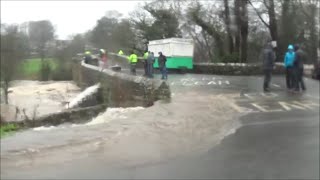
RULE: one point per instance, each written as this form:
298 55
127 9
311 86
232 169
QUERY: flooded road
203 110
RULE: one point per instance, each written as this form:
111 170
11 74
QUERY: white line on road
276 85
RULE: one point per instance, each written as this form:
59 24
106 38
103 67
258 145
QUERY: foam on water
87 92
44 128
113 113
107 116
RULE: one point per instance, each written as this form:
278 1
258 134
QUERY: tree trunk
287 30
238 23
273 27
313 35
227 22
244 26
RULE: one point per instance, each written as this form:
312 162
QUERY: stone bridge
120 89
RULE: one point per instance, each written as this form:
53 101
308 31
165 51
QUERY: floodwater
39 98
196 119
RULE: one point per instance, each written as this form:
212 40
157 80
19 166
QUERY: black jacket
300 57
269 57
162 59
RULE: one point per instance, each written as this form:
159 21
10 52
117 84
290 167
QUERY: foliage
7 129
40 33
112 34
45 71
63 70
230 58
152 22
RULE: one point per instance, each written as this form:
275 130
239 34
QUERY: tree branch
259 15
303 11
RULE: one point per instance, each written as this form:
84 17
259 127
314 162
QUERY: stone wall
119 89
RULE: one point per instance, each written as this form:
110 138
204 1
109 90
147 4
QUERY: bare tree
228 24
12 51
272 25
310 10
40 34
244 28
238 25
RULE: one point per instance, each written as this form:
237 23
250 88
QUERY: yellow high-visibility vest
146 54
133 58
120 52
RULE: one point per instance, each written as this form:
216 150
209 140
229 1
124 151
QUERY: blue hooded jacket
289 57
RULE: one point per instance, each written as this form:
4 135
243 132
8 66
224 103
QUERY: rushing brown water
192 122
41 97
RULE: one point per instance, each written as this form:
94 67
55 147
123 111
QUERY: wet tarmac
213 127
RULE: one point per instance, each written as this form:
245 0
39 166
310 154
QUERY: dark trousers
145 65
133 68
298 80
163 71
267 78
289 77
150 70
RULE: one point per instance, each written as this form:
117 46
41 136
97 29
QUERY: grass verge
32 67
7 129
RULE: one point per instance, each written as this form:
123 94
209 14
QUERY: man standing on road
150 61
268 63
103 58
145 63
300 57
120 52
133 59
87 57
288 63
162 59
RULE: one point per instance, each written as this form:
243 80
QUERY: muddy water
193 121
39 98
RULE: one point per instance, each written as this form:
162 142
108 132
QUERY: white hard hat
102 50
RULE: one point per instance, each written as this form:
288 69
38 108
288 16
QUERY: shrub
45 71
230 58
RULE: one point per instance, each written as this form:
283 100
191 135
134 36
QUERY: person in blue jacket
288 64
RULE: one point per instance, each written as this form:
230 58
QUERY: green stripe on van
177 62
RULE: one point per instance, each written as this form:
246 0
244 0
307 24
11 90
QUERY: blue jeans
163 71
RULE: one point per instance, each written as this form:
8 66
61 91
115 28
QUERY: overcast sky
68 17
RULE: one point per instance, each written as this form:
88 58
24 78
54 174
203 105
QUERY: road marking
276 85
212 82
287 106
309 105
187 84
263 108
249 96
238 108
